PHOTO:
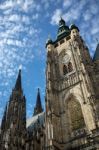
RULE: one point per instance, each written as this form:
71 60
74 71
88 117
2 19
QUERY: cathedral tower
14 121
71 113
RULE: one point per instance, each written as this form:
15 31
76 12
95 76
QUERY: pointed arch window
75 115
65 70
70 67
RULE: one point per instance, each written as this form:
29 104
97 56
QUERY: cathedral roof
96 55
73 26
63 29
35 121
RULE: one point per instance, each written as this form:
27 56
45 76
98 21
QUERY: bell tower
71 116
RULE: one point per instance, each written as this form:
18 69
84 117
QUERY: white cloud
17 36
70 15
56 16
94 8
27 4
67 3
46 4
73 10
95 30
87 15
20 66
7 4
14 17
19 33
34 17
7 11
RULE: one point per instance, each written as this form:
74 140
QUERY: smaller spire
61 22
49 40
73 26
18 85
38 108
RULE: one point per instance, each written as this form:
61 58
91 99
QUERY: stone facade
71 117
72 96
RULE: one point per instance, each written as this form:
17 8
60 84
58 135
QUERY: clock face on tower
65 59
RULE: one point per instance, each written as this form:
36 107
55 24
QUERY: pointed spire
18 85
96 55
49 41
61 22
38 108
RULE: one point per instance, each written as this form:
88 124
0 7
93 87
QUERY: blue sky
24 28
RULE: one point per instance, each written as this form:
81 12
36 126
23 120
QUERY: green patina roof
96 55
49 41
73 26
61 22
63 30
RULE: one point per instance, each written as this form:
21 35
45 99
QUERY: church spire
18 85
38 108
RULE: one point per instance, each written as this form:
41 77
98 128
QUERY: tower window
56 45
65 70
70 67
62 41
68 38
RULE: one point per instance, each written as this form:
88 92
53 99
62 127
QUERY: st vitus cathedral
71 117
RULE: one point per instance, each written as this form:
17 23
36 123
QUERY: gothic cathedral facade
72 93
71 117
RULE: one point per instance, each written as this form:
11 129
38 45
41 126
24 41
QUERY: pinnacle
38 108
18 85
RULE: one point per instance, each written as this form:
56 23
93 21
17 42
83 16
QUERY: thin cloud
17 36
23 30
56 16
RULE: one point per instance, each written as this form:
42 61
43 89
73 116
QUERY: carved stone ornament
65 59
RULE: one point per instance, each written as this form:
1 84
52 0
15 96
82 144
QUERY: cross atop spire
38 108
18 85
